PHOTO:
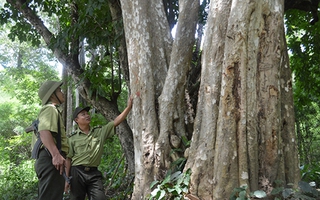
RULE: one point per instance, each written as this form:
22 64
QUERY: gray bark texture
158 68
244 127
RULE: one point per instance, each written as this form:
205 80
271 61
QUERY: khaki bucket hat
47 89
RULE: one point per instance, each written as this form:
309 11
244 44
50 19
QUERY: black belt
86 168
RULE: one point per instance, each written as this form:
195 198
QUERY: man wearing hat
50 162
86 148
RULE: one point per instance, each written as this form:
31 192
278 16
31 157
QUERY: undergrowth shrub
303 192
18 181
17 176
173 187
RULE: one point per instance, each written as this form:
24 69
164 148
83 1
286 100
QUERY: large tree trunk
148 63
157 74
244 127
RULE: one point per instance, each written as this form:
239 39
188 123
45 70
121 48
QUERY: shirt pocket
80 147
95 143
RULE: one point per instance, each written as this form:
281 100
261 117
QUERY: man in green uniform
86 148
50 162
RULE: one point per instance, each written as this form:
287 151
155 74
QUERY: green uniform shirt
87 149
48 120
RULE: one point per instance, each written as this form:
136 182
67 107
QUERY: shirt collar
78 130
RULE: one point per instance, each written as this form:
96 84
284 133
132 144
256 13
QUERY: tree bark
172 105
244 126
158 73
149 47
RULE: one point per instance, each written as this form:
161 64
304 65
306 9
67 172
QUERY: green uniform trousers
51 183
86 181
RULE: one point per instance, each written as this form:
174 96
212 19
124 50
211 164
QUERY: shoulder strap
58 139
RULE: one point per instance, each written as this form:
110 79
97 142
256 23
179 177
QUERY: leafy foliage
311 173
308 138
113 166
17 175
241 194
24 70
303 42
88 22
174 186
16 167
15 117
304 191
179 163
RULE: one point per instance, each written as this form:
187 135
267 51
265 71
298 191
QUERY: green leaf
185 141
153 183
166 180
155 192
171 190
162 194
287 192
186 179
180 179
277 190
259 194
178 189
242 194
175 175
305 187
185 189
